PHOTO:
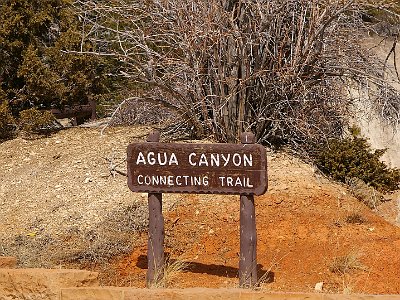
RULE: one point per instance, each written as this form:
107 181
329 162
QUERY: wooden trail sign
197 168
158 168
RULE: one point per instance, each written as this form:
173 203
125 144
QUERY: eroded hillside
62 205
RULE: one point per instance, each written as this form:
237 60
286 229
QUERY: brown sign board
197 168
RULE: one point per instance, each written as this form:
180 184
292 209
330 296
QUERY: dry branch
277 68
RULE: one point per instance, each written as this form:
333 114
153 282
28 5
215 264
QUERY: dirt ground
62 205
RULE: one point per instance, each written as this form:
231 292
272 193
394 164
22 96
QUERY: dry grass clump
363 192
344 266
347 263
355 218
164 277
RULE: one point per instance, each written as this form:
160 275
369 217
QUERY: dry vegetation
347 263
224 67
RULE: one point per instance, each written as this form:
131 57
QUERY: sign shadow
213 269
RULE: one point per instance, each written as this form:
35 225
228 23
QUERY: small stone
319 286
88 179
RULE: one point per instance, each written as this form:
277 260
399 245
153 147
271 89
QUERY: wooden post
92 104
248 235
155 247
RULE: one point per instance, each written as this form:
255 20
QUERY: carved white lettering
196 181
222 179
150 158
140 159
203 160
162 163
220 159
214 160
226 159
161 159
170 180
235 181
186 179
155 180
248 160
173 160
237 159
163 180
191 155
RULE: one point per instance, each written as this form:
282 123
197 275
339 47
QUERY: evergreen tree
36 69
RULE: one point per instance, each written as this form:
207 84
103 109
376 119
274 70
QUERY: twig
113 167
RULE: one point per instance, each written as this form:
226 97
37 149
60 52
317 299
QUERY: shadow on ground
267 276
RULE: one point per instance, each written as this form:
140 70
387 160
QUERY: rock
42 283
319 286
7 262
88 179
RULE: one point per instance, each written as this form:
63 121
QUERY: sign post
155 245
248 234
239 169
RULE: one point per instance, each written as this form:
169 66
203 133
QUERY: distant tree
278 68
35 70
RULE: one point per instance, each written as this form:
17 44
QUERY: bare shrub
347 263
29 249
277 68
90 247
134 111
134 217
112 237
